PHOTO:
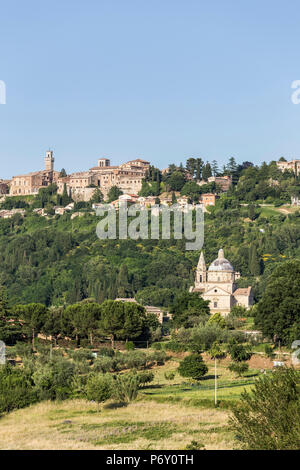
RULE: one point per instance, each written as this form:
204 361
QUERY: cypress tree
254 261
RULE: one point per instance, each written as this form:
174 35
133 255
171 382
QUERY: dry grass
77 424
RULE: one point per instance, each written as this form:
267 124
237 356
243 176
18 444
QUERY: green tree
218 320
206 172
239 368
53 323
33 317
278 311
216 351
91 315
268 418
10 326
254 261
122 320
191 166
199 168
53 379
125 387
99 387
239 352
16 389
192 190
97 197
176 181
114 193
123 285
65 199
187 305
214 167
193 367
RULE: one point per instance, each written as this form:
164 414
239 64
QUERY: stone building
4 188
128 176
218 285
223 181
81 185
30 183
293 165
208 199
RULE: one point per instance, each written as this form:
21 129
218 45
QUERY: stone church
218 285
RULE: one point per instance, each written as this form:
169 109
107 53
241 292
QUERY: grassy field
167 415
141 426
202 394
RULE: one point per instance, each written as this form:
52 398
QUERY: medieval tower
49 161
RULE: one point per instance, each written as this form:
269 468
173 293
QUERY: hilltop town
136 181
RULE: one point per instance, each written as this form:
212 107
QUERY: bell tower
49 161
201 276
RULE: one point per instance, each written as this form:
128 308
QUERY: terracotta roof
138 160
242 291
102 167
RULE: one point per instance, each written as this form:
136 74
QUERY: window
215 304
200 278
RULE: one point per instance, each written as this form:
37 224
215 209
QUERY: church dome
221 263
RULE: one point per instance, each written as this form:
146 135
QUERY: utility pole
216 399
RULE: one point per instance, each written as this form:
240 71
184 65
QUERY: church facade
218 285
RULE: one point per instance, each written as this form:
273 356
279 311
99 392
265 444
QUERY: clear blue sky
163 80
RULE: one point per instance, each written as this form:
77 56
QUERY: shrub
238 311
238 336
169 375
53 380
157 346
99 387
193 366
125 387
106 352
129 346
203 338
135 360
158 357
23 350
82 355
145 377
103 365
79 386
217 319
269 352
239 368
268 418
238 352
195 445
175 346
16 389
